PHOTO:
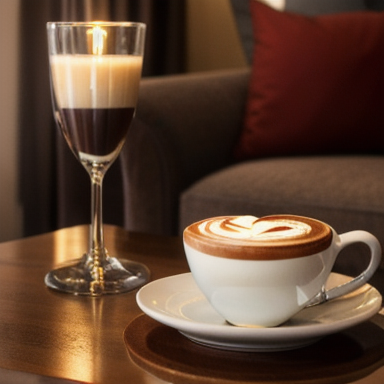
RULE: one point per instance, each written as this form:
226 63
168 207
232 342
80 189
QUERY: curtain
41 147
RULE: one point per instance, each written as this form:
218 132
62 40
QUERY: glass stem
97 252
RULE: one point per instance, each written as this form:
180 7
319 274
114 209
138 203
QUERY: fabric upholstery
328 187
177 167
185 127
344 191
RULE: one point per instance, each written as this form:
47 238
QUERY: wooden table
51 337
64 336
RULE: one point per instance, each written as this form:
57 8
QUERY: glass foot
82 278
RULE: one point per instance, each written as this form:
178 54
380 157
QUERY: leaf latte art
254 229
249 237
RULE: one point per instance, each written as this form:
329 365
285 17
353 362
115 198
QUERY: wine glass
95 70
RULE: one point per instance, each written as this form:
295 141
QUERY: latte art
252 228
266 238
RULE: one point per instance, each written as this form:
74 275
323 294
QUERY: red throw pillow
316 86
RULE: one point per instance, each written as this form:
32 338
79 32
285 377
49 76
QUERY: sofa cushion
317 84
330 188
335 189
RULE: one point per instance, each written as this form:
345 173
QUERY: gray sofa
178 165
188 174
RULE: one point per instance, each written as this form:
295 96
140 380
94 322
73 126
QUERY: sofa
179 167
181 162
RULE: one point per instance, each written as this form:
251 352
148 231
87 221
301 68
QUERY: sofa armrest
200 115
185 128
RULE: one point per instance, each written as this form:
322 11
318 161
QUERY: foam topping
266 238
96 81
252 228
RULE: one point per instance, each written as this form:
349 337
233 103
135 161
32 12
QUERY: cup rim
282 249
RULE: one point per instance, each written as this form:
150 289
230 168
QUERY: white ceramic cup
260 272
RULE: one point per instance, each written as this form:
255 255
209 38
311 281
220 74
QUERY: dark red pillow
317 84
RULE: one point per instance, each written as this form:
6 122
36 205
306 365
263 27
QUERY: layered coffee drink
96 98
251 238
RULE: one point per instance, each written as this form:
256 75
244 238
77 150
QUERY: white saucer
176 301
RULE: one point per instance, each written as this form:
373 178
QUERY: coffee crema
250 238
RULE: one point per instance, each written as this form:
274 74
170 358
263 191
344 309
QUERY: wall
212 38
10 210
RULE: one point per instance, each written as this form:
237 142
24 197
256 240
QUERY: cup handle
348 239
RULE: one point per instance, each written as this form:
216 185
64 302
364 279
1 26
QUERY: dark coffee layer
95 131
268 238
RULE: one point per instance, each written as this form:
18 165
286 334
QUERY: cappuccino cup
259 272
